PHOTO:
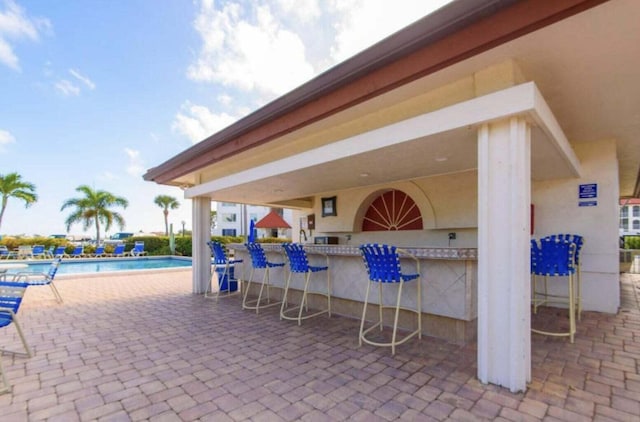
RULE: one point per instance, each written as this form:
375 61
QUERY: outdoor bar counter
448 277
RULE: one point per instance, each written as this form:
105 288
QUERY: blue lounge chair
5 253
118 251
59 252
38 252
138 249
42 279
99 252
78 252
11 294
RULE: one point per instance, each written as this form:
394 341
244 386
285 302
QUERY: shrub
632 242
153 245
13 242
274 240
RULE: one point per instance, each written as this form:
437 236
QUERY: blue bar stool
383 266
299 263
579 242
554 257
259 261
227 277
538 297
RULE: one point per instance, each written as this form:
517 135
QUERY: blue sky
98 91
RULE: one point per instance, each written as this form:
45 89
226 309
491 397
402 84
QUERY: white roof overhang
442 141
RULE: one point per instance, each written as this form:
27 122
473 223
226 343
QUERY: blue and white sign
588 190
587 203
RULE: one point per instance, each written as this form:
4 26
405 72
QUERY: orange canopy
272 221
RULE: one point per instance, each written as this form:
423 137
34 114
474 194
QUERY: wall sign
587 194
587 203
589 190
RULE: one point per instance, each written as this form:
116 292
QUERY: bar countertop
446 253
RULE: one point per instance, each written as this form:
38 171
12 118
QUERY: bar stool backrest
554 257
573 238
258 257
219 254
298 262
535 254
382 263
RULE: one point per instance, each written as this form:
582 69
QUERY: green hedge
13 242
183 243
632 242
153 245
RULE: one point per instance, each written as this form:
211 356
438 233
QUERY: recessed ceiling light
364 174
441 159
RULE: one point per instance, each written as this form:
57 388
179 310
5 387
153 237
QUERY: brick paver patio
142 347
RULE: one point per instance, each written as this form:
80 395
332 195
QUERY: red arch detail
393 210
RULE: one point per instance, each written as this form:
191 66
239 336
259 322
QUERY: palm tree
166 202
94 209
12 185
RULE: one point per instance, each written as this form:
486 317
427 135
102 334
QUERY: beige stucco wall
449 204
557 210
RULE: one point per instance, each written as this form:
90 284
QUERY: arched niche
403 207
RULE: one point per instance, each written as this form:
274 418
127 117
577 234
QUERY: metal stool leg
364 315
5 387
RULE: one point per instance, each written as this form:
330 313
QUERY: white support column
504 197
200 252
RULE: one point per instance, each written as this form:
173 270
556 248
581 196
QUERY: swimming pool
80 266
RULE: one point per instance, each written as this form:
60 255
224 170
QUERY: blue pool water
72 266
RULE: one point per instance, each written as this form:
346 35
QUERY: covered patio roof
582 56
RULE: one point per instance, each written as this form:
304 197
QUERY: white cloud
107 175
16 25
135 167
6 138
303 10
197 122
67 88
85 80
268 47
255 51
361 23
248 50
224 99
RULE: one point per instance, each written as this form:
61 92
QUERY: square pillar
200 252
504 197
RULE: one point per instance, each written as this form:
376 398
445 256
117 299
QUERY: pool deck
142 347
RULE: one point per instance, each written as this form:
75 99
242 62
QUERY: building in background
233 220
630 216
